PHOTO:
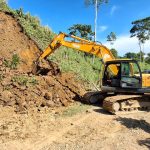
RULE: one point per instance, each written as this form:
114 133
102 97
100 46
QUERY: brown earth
14 41
19 88
92 129
24 92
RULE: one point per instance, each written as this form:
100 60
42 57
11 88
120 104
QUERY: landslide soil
14 41
19 88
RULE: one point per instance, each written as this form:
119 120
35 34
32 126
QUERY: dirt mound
24 92
14 41
18 87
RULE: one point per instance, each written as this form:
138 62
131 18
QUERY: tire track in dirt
54 136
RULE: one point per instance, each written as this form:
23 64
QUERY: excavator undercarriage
121 103
126 103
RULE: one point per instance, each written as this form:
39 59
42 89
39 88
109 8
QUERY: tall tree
141 56
114 52
82 30
97 4
131 55
141 30
111 38
147 59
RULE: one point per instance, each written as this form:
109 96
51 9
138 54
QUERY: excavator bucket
45 67
34 68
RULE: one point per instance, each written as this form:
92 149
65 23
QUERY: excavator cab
121 76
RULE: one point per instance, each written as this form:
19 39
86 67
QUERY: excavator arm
82 45
79 44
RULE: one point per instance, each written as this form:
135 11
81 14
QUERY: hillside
14 41
68 59
18 87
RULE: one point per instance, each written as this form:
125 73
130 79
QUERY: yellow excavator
120 76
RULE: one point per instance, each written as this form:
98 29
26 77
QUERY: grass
13 63
75 109
25 80
77 63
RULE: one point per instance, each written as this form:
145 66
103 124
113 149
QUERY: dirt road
91 128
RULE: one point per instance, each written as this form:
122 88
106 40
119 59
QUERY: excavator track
93 97
126 103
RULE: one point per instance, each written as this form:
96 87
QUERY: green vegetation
82 30
145 64
31 26
114 52
25 80
70 60
13 63
75 109
141 30
4 6
147 59
111 38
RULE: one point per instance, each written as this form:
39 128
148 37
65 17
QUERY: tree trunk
95 22
143 57
95 26
140 54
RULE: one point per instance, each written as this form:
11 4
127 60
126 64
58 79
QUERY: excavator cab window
130 75
125 74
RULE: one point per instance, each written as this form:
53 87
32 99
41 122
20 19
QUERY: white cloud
6 1
102 28
113 9
125 44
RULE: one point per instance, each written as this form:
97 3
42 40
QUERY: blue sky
115 16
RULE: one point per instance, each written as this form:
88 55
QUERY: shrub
25 80
13 63
21 80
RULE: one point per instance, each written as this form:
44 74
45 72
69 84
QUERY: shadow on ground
134 123
102 111
145 142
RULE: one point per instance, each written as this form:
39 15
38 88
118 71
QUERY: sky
115 16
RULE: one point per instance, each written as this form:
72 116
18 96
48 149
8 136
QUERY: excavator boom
99 50
83 45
